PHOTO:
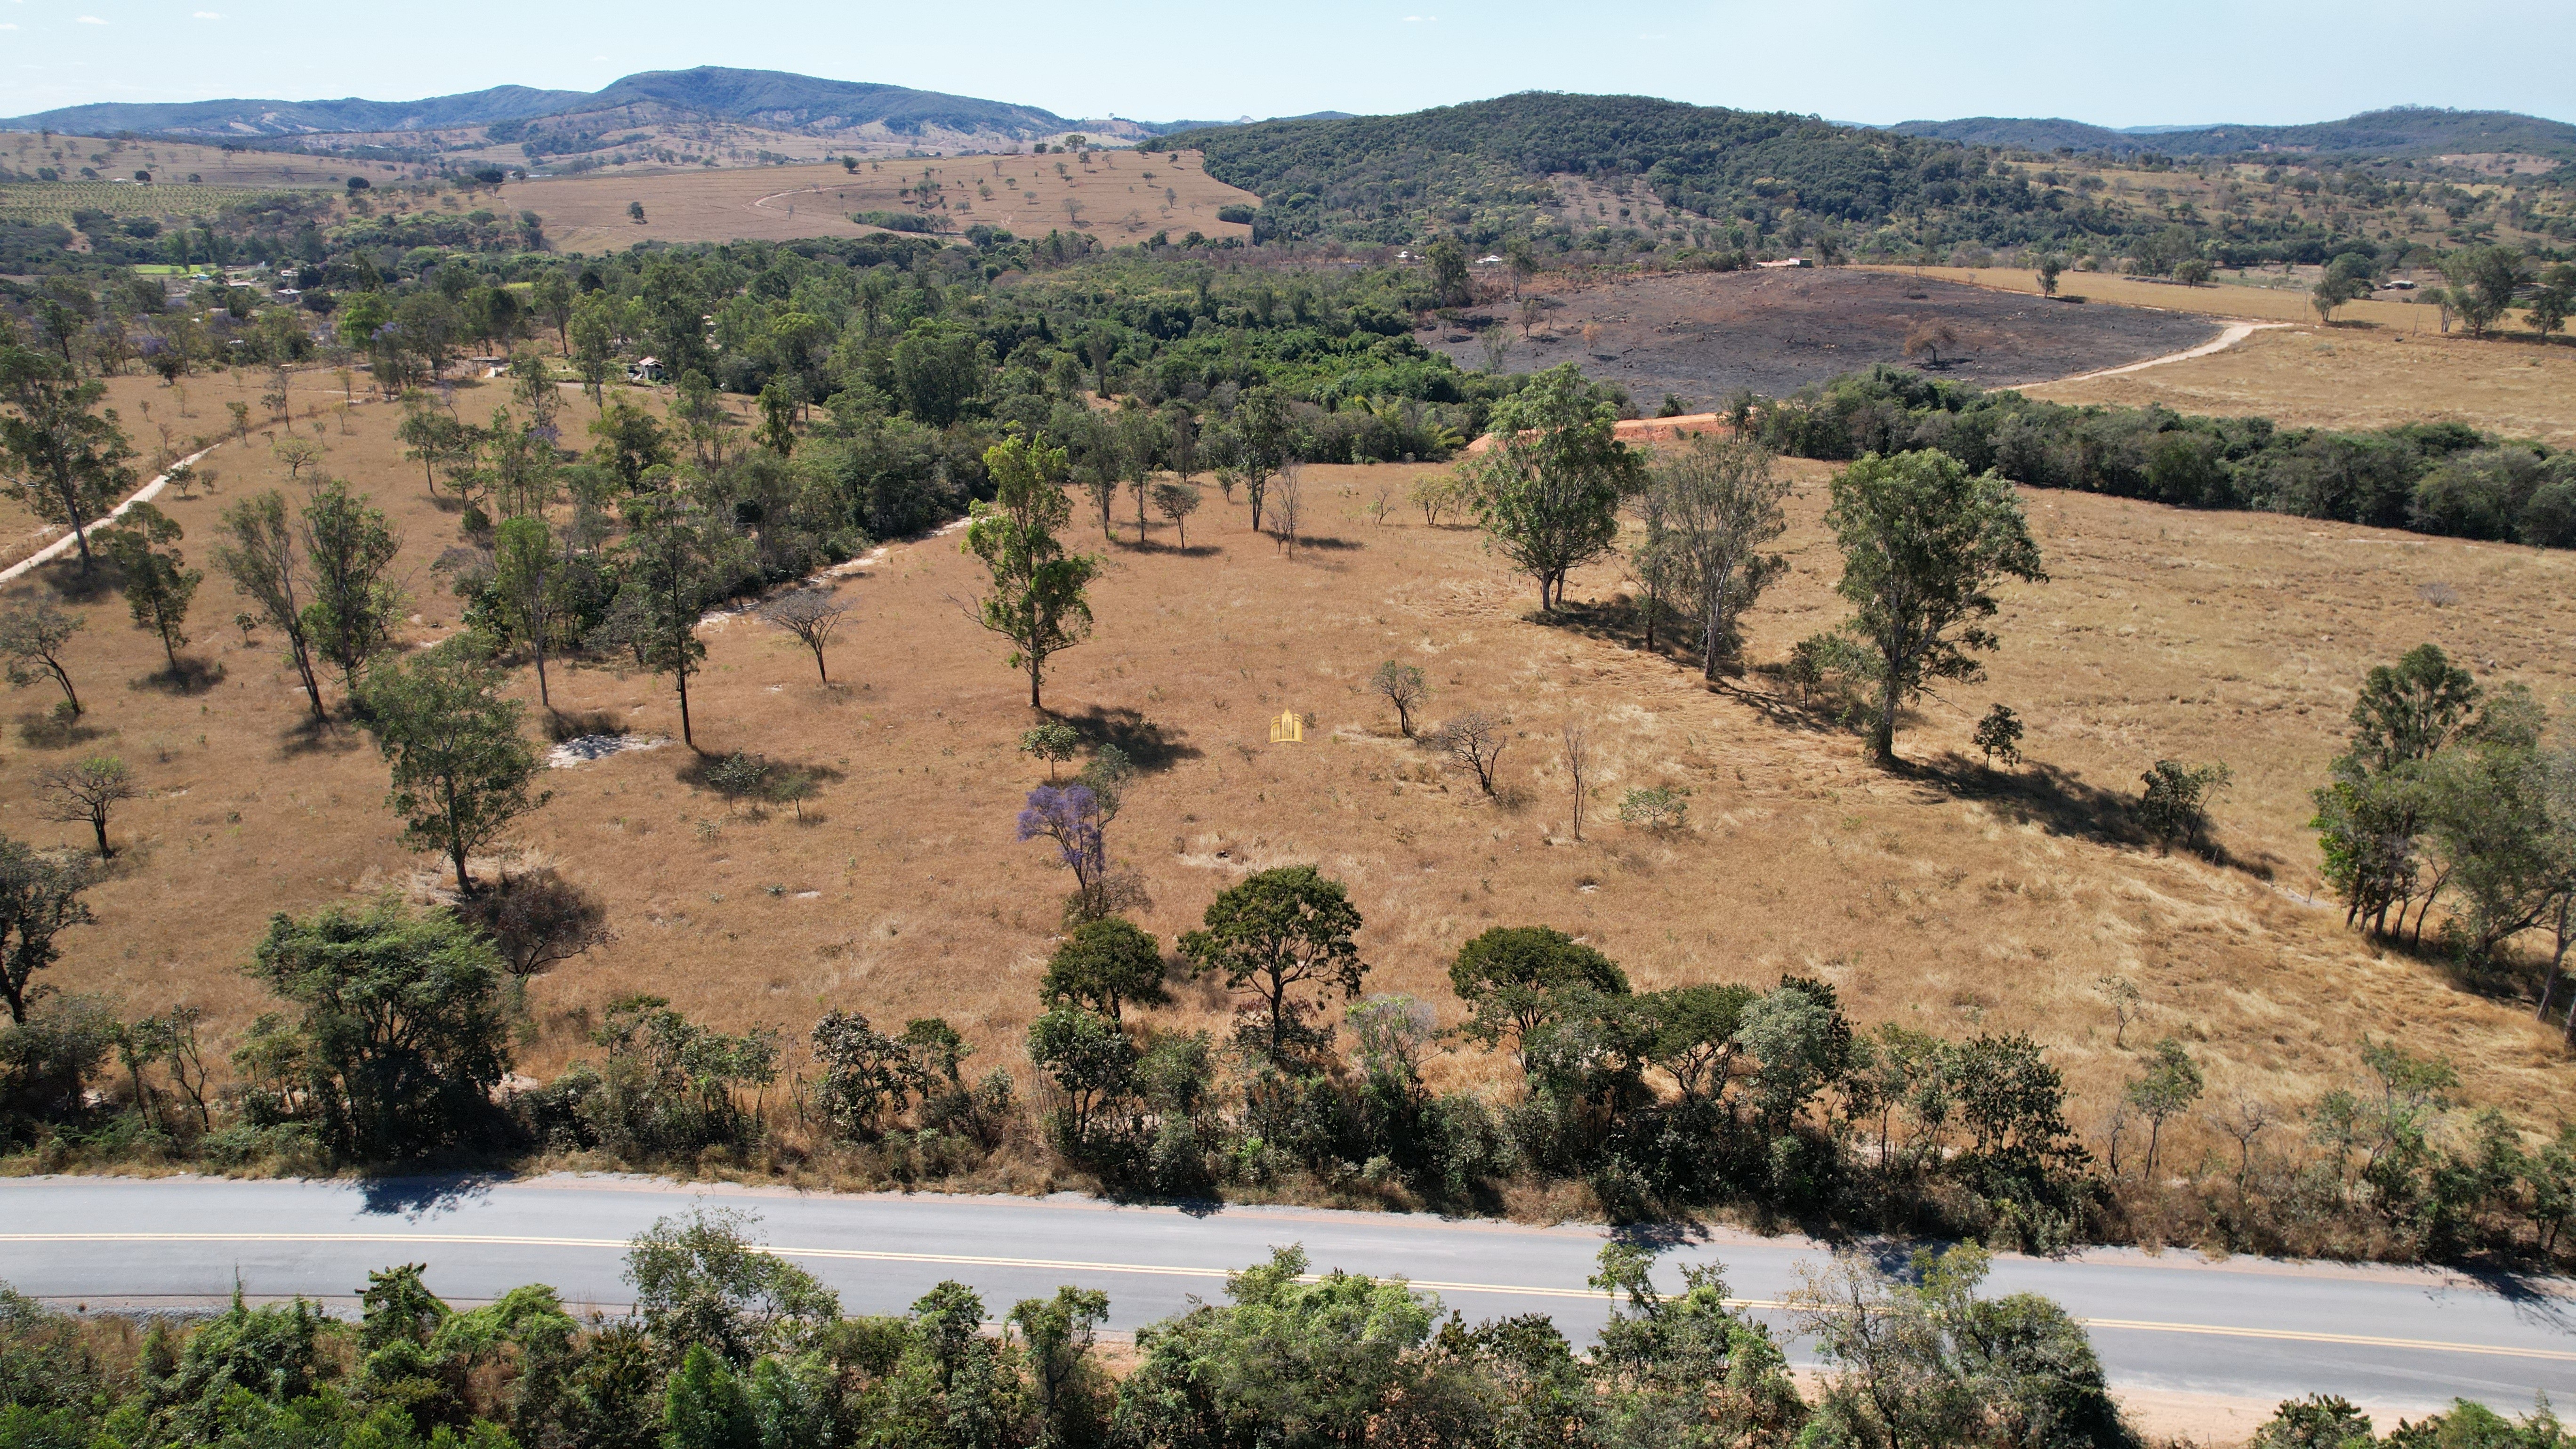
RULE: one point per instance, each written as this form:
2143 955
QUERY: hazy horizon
1872 62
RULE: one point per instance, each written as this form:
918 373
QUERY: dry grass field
1118 196
2381 363
1945 897
176 161
2359 376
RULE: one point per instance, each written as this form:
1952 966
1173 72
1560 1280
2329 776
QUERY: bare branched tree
1401 685
85 791
539 921
810 615
1577 742
1474 744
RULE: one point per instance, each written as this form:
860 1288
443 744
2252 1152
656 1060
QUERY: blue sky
2178 62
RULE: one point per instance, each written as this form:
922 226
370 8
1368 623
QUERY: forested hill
289 118
2398 133
1482 168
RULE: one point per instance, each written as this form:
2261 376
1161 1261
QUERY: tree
262 558
32 641
2174 801
778 418
1999 735
2171 1083
1575 744
631 443
673 557
2483 281
84 791
400 1043
1264 439
158 585
1104 964
1176 502
64 462
705 1279
2051 267
810 615
1400 685
1038 600
461 769
635 212
1549 493
538 920
349 546
1720 505
2552 300
1054 742
1473 743
1076 818
1072 1393
2409 711
1923 544
2346 279
528 585
40 898
1277 932
1515 979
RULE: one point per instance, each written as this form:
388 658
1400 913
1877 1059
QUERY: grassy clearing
1947 898
2220 299
1119 197
2360 376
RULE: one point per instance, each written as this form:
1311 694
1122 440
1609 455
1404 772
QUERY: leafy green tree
40 898
64 461
940 372
1264 440
263 557
1516 978
1285 1362
1037 600
2319 1421
2552 300
1103 965
676 561
2051 267
703 1280
1074 1397
528 586
1054 742
2173 801
461 768
593 343
778 419
2346 279
158 584
1686 1368
631 443
349 547
1999 735
2165 1090
33 641
1279 934
1720 504
704 1406
2483 282
1924 542
401 1039
1929 1362
1550 490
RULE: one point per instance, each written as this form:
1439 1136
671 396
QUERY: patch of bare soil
1701 336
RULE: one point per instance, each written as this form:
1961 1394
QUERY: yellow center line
1157 1270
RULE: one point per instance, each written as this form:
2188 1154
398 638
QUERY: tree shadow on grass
1617 621
42 730
190 676
309 736
573 724
1148 743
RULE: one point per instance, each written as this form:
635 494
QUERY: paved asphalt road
2243 1329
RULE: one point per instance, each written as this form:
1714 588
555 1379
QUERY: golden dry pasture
175 161
2360 376
1118 196
1946 897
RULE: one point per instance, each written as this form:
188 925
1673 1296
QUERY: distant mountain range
775 100
780 101
2399 133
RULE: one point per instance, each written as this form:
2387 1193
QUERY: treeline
2437 478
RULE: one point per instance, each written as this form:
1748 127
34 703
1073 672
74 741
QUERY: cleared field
1119 197
1946 897
2360 376
1701 336
2219 299
176 161
56 200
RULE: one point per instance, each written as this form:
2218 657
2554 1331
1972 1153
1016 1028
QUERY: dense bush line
2439 478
